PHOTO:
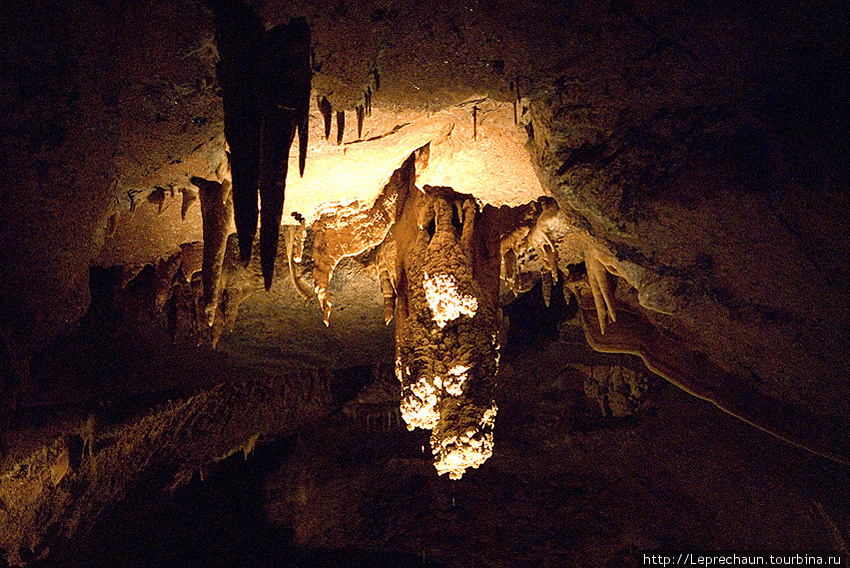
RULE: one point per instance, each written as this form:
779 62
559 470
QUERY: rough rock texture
565 486
447 325
698 153
348 230
688 199
59 491
616 391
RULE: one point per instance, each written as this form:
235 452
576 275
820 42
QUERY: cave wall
697 187
90 127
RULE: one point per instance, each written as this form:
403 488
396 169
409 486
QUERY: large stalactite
265 79
240 41
447 326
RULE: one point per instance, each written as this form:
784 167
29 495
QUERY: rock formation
265 79
679 171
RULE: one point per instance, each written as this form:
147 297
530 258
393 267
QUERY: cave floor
565 486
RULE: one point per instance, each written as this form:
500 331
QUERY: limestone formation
348 230
693 164
240 39
265 79
447 325
286 104
294 241
217 212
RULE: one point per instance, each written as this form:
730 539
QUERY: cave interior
414 283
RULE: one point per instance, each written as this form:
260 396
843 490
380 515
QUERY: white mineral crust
446 302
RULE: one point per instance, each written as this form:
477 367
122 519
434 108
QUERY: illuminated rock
447 318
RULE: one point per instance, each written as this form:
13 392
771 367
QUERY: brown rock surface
698 156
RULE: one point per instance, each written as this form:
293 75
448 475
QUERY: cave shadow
531 322
219 521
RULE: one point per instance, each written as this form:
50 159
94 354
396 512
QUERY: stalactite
265 80
238 283
157 197
514 103
386 262
240 38
534 223
302 76
190 196
376 76
601 288
340 125
368 98
360 111
326 110
540 240
447 324
293 236
217 215
165 270
347 231
192 259
287 109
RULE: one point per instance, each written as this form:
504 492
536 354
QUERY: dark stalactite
360 111
217 214
240 36
301 77
368 98
515 102
287 90
265 82
326 110
189 197
376 75
340 125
